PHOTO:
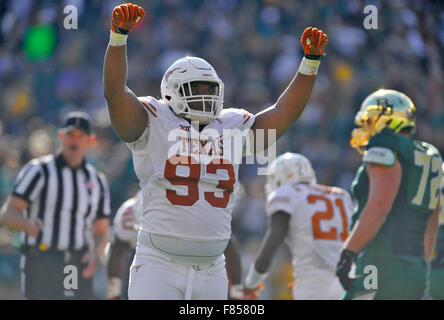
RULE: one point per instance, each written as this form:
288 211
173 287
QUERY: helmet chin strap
201 120
195 117
190 117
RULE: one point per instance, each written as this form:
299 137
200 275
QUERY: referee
62 205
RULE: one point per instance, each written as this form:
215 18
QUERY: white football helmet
289 168
180 89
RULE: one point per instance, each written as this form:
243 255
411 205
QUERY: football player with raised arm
397 193
186 221
312 220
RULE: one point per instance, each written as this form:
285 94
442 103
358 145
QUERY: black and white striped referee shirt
66 199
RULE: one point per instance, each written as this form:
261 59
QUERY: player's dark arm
126 112
233 262
384 185
293 100
277 230
119 251
288 108
431 231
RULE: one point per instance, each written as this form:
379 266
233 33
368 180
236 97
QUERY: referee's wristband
117 39
253 277
310 64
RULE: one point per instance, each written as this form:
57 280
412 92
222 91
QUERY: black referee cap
77 120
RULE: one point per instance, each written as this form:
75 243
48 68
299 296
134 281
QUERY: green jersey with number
417 197
439 247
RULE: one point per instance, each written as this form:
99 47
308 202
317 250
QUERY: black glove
344 266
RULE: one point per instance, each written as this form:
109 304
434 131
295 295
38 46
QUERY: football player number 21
191 182
328 214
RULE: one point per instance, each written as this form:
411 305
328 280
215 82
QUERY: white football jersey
192 199
127 221
319 223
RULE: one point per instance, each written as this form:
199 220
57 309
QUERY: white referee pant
156 276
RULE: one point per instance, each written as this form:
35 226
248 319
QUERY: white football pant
155 276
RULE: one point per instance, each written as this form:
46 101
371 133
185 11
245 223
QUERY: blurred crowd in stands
47 70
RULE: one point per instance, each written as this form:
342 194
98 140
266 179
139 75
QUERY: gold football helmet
382 109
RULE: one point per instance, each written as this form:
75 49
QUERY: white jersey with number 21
320 218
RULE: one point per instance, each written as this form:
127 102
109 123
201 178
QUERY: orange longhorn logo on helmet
169 73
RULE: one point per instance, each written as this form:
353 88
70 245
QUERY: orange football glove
313 41
125 17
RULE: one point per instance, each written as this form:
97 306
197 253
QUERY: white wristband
253 277
117 39
114 287
236 291
309 67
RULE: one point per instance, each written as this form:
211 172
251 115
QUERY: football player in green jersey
436 272
397 192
